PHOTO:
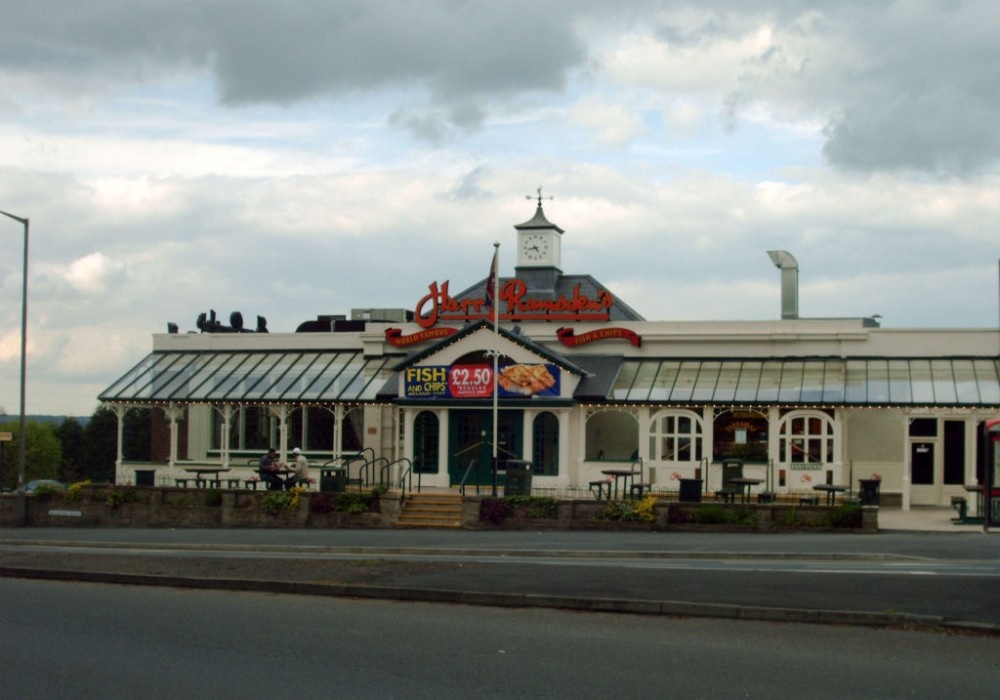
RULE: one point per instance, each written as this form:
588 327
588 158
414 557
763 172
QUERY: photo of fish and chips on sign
528 380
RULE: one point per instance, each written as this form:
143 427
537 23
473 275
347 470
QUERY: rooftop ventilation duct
789 267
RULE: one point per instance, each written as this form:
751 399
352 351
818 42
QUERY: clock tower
539 250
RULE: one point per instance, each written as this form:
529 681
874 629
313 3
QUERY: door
925 487
470 438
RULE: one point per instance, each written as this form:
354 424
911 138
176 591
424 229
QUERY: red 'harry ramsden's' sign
568 337
515 305
395 337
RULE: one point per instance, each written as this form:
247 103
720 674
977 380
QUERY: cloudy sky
305 157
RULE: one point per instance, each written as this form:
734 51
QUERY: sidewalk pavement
925 519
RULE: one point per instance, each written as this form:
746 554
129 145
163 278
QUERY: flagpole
495 281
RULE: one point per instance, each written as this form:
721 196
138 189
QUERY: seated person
268 470
301 474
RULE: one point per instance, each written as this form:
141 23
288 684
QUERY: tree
42 454
71 437
100 446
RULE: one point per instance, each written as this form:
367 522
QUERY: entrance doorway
470 437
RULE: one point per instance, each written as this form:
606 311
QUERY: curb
348 550
927 623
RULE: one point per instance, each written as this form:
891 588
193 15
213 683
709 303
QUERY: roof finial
539 197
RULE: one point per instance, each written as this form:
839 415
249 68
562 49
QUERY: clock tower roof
538 221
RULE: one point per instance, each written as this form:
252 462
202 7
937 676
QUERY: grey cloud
900 85
261 51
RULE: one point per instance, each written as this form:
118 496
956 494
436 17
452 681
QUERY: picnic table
200 473
622 475
831 491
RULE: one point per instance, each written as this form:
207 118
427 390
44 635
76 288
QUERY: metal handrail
465 477
381 472
406 475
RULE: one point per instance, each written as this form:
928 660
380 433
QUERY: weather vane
538 196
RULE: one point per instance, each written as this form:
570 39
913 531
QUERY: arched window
426 438
676 436
612 434
806 438
545 444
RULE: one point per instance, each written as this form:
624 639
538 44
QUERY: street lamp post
22 440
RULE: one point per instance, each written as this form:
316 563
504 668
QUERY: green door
470 437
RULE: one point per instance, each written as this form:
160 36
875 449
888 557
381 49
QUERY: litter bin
869 491
145 477
690 491
333 480
517 481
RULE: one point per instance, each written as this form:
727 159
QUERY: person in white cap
300 475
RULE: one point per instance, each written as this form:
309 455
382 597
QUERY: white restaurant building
585 384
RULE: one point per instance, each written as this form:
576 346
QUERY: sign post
4 438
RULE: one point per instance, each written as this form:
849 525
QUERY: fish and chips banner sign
476 381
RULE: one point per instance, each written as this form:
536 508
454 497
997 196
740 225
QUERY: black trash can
690 491
517 478
145 477
333 480
869 493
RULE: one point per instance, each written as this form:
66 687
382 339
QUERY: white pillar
173 413
907 466
120 412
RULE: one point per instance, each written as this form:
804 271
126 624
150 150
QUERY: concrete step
431 510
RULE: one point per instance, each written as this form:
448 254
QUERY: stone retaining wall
128 506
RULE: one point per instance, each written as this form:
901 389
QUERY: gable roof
475 327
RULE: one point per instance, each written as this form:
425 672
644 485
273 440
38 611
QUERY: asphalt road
86 640
891 578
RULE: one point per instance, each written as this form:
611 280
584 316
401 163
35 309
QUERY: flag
491 282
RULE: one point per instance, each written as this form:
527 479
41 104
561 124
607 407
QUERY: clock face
535 247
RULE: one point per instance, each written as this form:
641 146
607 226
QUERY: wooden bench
638 489
808 500
181 483
961 506
598 489
731 469
232 483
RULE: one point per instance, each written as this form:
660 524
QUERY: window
806 438
612 434
740 435
249 429
675 437
545 444
426 440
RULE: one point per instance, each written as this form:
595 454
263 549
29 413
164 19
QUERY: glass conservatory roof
247 377
841 381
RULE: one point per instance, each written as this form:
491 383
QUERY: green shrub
620 511
543 507
77 491
117 497
275 502
46 492
712 514
846 516
355 502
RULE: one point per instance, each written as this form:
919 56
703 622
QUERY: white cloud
94 273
